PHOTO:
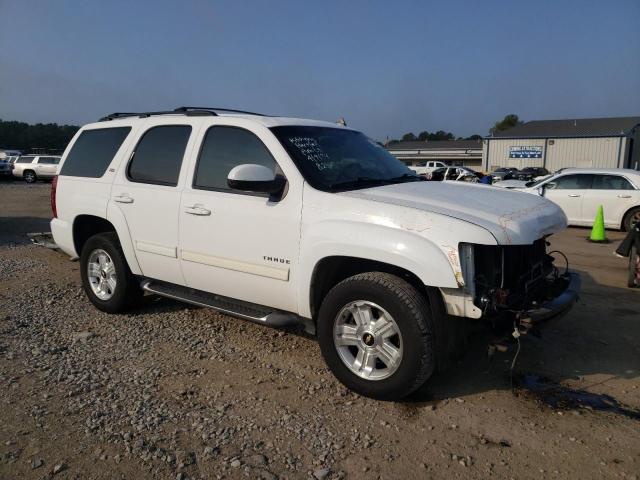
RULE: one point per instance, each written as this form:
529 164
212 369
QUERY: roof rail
191 113
216 109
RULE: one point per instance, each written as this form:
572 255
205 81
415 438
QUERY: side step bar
237 308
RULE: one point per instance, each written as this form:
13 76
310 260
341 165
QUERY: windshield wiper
359 182
404 177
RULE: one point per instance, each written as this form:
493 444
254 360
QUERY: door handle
624 196
574 195
197 210
124 198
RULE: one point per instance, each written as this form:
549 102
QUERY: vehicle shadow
598 337
13 230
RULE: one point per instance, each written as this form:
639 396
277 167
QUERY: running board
226 305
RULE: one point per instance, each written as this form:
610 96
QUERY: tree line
45 136
507 122
54 137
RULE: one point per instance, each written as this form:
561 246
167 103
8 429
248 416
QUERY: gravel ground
173 391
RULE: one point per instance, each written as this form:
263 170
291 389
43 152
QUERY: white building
556 144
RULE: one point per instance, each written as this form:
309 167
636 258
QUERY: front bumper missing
556 307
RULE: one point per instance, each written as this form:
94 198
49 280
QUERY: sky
386 67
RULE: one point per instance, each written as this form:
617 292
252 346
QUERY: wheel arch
85 226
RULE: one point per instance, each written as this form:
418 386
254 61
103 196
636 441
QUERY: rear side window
25 159
224 148
611 182
49 160
158 155
93 151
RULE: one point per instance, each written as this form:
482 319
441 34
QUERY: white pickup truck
286 221
425 168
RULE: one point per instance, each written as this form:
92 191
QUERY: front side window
334 159
611 182
224 148
573 182
93 152
158 156
25 159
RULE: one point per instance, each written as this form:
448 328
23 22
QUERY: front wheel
631 218
106 277
377 336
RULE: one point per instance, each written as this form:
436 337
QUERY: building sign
525 152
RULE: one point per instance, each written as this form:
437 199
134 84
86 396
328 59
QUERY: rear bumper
569 287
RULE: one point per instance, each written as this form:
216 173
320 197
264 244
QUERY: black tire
127 293
30 176
412 314
634 265
629 222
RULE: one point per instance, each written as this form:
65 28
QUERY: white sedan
580 191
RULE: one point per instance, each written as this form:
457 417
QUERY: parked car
530 173
286 221
426 168
579 192
503 173
32 168
5 167
460 174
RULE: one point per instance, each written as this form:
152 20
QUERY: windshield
333 159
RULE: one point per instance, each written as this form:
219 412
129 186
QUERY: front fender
401 248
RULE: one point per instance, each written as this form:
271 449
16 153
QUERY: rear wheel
633 280
106 277
377 336
29 176
631 218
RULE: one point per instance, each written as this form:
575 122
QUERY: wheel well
28 170
624 217
332 270
86 226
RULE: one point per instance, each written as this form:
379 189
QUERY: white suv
32 168
286 221
424 168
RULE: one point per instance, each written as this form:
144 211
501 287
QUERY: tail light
54 187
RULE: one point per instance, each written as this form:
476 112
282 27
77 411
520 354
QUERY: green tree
423 136
474 137
22 136
408 137
509 121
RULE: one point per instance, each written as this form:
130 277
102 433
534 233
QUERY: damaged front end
517 282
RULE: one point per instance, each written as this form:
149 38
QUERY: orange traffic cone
597 232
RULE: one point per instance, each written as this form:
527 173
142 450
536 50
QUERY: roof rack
190 111
216 109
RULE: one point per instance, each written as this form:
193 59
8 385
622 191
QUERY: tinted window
611 182
334 159
25 160
158 155
93 151
573 182
49 160
224 148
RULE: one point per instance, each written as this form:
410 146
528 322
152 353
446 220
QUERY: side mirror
540 191
250 177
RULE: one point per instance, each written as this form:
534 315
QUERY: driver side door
568 191
238 244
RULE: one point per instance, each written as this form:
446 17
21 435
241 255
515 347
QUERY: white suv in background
36 167
286 221
580 191
425 168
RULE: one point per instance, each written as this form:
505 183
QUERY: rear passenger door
241 245
147 191
46 166
616 195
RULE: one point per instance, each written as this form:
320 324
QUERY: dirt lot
172 391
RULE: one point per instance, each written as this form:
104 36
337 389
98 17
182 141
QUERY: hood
512 217
512 183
